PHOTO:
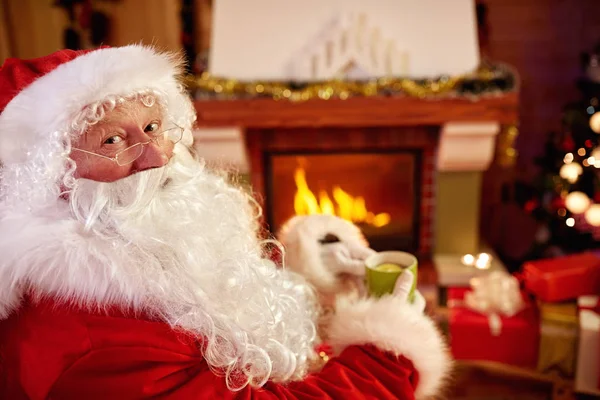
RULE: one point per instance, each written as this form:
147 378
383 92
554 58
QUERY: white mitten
402 290
345 257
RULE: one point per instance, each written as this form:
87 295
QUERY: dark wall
543 39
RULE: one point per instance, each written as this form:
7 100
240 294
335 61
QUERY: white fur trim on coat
50 103
393 325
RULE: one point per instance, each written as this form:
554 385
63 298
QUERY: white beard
187 252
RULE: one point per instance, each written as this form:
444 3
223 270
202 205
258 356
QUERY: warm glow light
326 203
480 261
568 158
562 212
468 259
359 209
484 256
305 202
571 172
581 151
577 202
592 215
570 222
344 201
591 160
595 122
482 264
596 155
344 205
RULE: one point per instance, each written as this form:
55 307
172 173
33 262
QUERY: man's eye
113 140
152 127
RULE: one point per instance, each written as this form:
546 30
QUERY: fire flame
346 206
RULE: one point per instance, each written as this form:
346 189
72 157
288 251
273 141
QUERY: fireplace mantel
355 112
468 127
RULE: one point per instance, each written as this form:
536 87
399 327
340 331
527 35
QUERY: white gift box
452 272
587 377
312 40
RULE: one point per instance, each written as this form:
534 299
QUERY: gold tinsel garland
505 148
485 78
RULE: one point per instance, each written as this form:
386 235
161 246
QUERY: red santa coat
51 351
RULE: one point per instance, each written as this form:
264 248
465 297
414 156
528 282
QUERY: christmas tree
565 196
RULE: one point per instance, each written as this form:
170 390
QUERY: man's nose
153 156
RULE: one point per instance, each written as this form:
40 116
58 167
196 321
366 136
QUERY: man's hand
402 290
348 258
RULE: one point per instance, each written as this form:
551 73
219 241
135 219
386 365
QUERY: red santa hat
44 95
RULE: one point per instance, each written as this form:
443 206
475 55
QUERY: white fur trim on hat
50 103
393 325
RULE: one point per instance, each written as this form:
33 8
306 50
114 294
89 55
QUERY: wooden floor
490 381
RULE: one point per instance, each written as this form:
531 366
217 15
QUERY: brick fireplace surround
453 135
262 142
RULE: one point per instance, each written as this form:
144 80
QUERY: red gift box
471 337
563 278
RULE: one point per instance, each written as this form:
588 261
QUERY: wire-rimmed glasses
132 153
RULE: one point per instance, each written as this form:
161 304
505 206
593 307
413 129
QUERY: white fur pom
393 325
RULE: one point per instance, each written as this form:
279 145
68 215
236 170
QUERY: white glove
402 290
348 258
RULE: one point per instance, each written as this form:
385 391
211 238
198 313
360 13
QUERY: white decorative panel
223 147
348 47
467 146
325 39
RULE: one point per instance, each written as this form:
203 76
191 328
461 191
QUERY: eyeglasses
132 153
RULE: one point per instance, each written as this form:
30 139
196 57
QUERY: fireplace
423 148
379 178
379 191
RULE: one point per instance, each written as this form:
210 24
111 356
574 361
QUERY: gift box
475 336
563 278
453 273
587 377
559 331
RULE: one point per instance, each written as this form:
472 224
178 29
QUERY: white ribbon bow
493 295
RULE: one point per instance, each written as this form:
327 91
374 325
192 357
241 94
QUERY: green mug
381 281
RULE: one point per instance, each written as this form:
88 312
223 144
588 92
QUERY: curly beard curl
184 247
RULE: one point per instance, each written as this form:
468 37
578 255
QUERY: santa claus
129 270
